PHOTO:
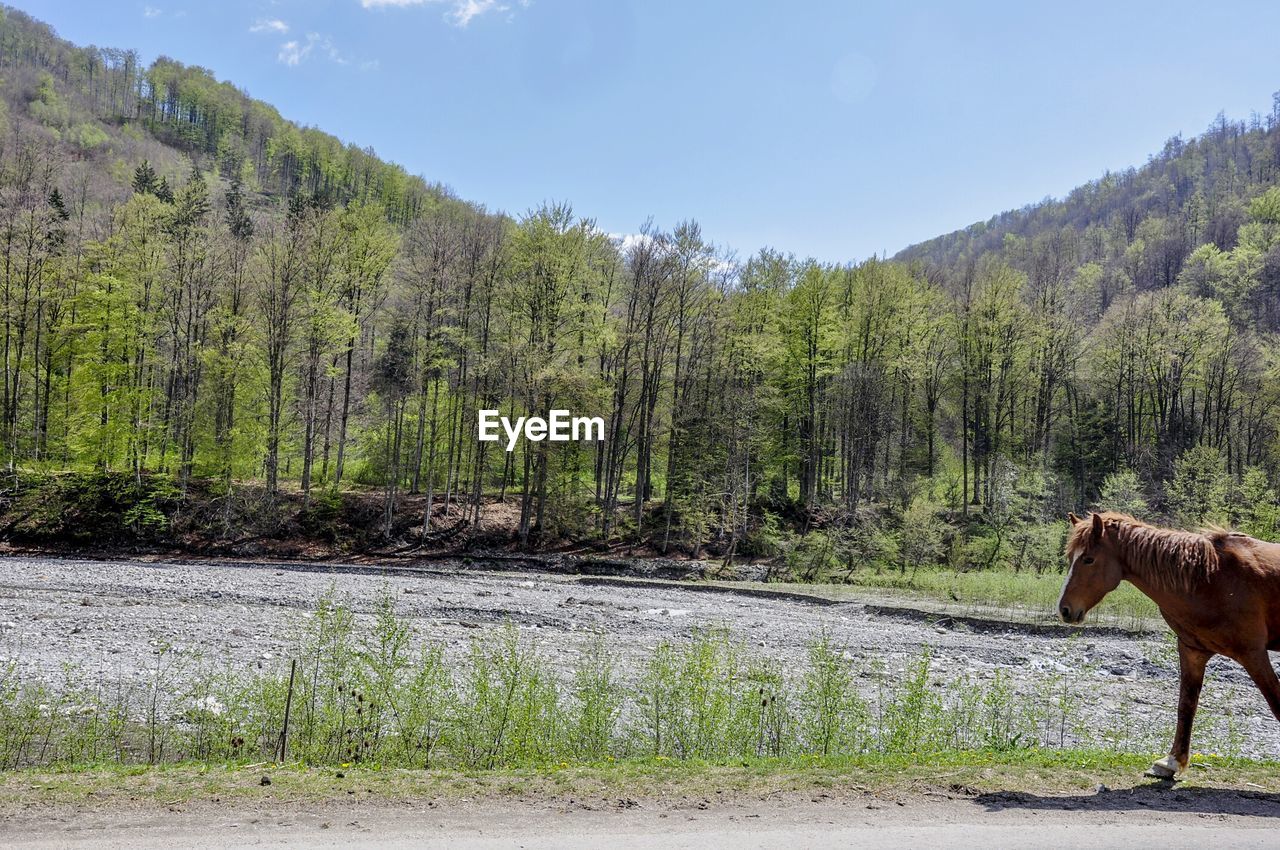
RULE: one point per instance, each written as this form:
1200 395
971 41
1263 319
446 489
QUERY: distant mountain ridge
1216 172
99 97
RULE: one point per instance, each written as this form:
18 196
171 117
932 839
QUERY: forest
200 296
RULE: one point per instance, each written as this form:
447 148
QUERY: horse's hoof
1166 768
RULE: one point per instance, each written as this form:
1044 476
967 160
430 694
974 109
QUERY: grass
370 692
370 696
1001 588
374 696
1021 596
970 771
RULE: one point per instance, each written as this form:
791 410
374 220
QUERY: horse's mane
1171 559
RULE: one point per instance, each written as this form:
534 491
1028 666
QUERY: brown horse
1219 591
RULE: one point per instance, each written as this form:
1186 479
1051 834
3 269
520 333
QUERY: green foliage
836 552
1201 488
271 303
48 107
814 556
595 704
145 179
87 136
1265 208
505 710
1122 491
95 509
923 540
985 550
831 716
375 695
906 726
1038 547
704 700
866 543
146 506
1257 510
324 514
766 539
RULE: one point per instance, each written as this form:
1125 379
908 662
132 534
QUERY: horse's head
1093 570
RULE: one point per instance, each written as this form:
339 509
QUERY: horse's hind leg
1264 676
1191 664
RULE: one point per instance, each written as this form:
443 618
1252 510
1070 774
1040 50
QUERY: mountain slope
1190 193
102 104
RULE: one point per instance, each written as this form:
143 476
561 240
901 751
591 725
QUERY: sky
832 130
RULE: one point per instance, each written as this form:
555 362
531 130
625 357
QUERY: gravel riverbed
110 619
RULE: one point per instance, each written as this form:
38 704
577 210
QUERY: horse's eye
1088 560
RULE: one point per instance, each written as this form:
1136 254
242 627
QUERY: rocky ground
109 619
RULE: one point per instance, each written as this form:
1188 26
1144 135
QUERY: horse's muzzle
1070 616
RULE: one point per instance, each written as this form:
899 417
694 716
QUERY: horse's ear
1072 518
1097 528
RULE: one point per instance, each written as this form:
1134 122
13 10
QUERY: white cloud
270 25
718 263
459 12
625 242
465 10
151 12
294 53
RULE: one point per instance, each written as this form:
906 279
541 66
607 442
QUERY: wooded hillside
194 287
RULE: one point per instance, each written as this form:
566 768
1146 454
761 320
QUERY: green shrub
813 556
324 515
370 694
1257 511
923 540
1201 486
88 136
98 508
506 710
1122 491
830 714
764 540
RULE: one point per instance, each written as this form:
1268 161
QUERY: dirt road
1165 818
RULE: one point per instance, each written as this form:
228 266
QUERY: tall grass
376 695
1025 592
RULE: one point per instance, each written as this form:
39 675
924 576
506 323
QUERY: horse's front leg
1191 664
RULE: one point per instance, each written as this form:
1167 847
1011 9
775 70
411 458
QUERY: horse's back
1252 555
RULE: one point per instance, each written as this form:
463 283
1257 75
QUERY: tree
145 179
1199 491
809 334
392 381
187 298
277 291
1122 491
553 277
294 309
924 535
367 249
230 328
1257 510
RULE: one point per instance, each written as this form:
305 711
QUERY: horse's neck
1162 574
1150 586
